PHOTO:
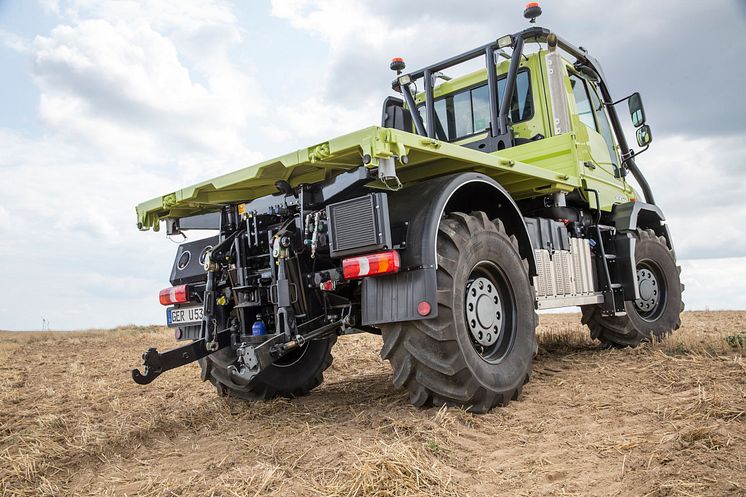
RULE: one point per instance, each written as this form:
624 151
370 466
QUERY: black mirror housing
643 135
636 110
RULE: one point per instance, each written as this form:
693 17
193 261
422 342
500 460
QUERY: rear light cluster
352 268
371 265
174 295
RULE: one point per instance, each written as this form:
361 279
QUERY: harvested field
665 419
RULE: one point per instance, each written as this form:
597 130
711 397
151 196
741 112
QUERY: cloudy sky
105 104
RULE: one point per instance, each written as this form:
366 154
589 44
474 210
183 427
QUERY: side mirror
644 137
636 110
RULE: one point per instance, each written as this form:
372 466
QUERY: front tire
657 312
477 352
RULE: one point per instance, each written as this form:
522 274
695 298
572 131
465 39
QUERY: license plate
184 315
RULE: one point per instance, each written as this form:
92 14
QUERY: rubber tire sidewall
652 249
511 372
288 381
629 330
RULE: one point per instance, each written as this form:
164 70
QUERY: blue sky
106 104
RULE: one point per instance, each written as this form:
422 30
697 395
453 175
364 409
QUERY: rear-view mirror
644 137
636 110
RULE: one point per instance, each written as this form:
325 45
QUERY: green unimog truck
478 201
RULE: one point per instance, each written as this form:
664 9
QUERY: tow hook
156 362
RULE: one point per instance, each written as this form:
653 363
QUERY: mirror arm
634 154
612 104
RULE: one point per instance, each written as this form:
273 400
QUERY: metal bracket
387 173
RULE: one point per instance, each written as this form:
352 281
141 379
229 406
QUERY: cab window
592 113
603 124
467 112
582 102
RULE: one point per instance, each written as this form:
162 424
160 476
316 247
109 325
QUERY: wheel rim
652 289
489 309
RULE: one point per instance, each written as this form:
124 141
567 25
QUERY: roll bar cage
500 130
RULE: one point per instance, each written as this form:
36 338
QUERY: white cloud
715 284
121 86
13 41
139 98
698 182
648 52
4 220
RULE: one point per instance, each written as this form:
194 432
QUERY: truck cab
585 147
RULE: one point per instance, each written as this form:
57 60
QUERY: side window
441 118
462 115
603 124
582 102
480 103
521 107
467 112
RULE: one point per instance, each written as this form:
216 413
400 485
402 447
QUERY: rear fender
415 213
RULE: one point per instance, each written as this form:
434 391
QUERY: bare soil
666 419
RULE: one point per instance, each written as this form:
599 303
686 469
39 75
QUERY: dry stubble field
665 419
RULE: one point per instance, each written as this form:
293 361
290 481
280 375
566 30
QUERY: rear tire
295 375
477 352
658 312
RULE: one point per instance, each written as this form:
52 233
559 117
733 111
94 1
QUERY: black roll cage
502 132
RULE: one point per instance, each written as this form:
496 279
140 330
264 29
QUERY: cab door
597 149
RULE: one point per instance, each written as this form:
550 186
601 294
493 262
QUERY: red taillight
371 265
174 295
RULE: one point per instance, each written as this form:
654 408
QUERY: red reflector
371 265
174 295
423 308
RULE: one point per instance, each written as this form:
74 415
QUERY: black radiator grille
359 225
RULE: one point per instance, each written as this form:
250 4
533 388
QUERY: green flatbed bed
551 167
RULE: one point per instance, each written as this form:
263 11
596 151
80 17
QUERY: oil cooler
359 225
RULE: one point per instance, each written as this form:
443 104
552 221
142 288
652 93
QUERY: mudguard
627 218
415 213
633 215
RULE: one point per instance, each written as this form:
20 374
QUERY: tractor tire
294 375
477 352
658 311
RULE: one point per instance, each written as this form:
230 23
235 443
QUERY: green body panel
554 163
